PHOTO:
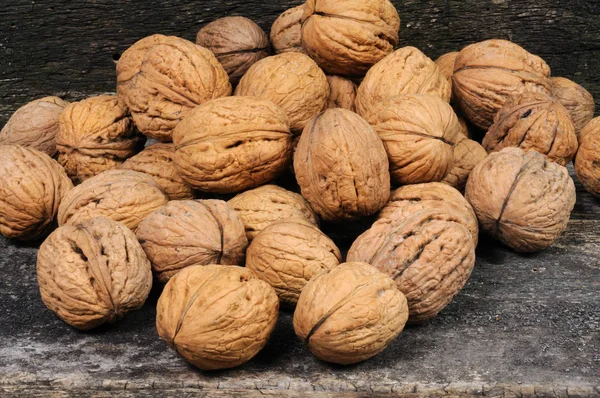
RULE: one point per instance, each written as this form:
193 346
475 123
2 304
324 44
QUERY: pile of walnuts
328 101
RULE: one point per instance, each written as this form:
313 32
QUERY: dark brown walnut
291 80
350 313
419 133
32 186
187 232
121 195
467 155
405 71
534 122
34 125
348 38
341 166
521 198
161 78
95 135
260 207
488 73
286 31
587 162
232 144
288 254
578 101
429 255
216 316
342 93
237 42
93 273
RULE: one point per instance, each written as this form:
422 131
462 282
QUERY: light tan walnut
286 31
342 93
587 162
578 101
467 155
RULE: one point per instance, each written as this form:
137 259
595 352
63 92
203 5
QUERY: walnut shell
445 64
348 38
93 273
187 232
521 198
464 128
121 195
232 144
350 313
467 155
587 162
341 166
405 71
32 186
216 316
486 74
578 101
286 31
430 256
34 125
161 78
291 80
260 207
342 93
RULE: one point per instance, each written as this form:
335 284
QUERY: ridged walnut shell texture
237 42
349 313
291 80
347 38
34 125
161 78
341 166
260 207
32 186
587 162
488 73
445 64
288 253
216 316
342 93
405 71
467 155
232 144
521 198
578 101
95 135
186 232
534 122
286 31
93 273
121 195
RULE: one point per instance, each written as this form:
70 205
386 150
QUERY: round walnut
93 273
342 93
429 255
187 232
405 71
161 78
467 155
347 38
32 186
286 31
216 316
445 63
587 161
521 198
288 253
232 144
291 80
534 122
578 101
34 125
486 74
95 135
349 313
260 207
121 195
341 166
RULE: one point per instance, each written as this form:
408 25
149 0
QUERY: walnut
237 42
534 122
288 253
260 207
419 133
286 31
445 64
341 166
587 161
348 38
32 186
342 93
161 78
405 71
349 313
429 255
467 155
521 198
232 144
216 316
121 195
464 128
486 74
578 101
34 125
291 80
93 273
